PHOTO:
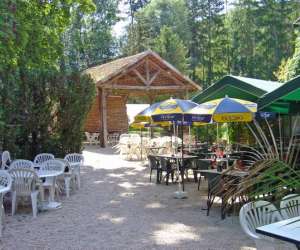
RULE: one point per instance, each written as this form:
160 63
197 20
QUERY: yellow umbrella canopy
169 110
141 125
172 110
145 115
138 125
224 110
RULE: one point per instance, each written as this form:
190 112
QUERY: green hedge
43 111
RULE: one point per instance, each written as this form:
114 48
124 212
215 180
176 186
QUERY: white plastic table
52 174
4 189
176 156
286 230
234 173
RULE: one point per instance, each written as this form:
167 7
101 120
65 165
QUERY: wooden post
151 101
104 118
147 72
150 98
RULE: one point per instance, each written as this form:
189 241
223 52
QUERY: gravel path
118 208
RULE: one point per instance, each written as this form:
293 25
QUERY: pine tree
149 21
89 39
172 49
290 68
207 45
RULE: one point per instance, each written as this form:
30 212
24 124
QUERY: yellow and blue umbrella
142 125
171 110
224 110
139 125
145 115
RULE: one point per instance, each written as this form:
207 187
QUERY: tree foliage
290 68
149 21
89 40
31 49
242 37
171 48
261 35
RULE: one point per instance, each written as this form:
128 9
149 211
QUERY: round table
51 174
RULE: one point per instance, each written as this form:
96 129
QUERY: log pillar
186 94
150 98
103 137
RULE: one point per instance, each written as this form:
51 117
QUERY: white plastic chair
5 186
21 164
68 176
50 182
41 158
290 206
76 162
24 184
88 137
5 160
256 214
95 138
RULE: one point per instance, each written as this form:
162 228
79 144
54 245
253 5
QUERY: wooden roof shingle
106 73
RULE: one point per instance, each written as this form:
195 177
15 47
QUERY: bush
46 112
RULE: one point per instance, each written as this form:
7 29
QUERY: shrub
46 112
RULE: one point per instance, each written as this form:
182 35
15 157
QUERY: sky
119 28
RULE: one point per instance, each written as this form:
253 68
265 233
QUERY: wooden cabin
144 74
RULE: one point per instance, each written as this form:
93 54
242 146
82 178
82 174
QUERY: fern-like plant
273 174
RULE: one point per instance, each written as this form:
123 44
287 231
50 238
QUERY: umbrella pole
280 136
189 138
141 144
176 149
182 154
228 138
172 136
174 132
180 194
217 133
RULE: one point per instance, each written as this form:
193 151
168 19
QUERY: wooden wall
117 120
92 123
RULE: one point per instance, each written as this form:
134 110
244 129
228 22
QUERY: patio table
4 189
51 174
154 150
214 185
286 230
221 160
179 158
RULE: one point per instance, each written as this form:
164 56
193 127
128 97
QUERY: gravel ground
118 208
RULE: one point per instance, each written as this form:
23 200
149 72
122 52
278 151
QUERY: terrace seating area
41 182
117 206
112 186
216 169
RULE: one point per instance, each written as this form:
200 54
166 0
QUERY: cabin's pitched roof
102 74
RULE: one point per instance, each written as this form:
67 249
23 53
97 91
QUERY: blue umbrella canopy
169 110
145 115
224 110
172 110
